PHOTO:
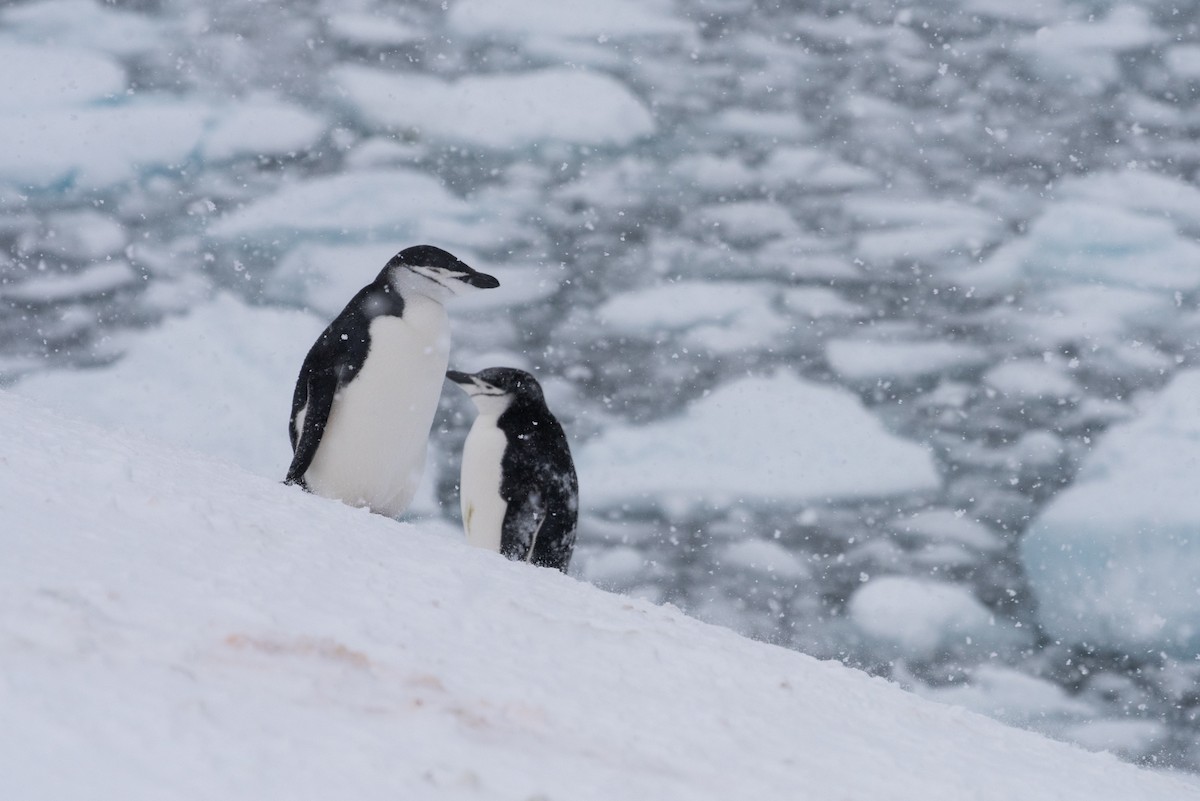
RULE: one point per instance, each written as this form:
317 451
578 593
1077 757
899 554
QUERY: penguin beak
480 280
460 378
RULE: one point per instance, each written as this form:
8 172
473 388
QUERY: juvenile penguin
368 389
519 492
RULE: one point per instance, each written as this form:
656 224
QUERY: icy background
872 324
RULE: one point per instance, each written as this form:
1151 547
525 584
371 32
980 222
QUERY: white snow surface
772 438
173 624
217 381
501 111
1113 558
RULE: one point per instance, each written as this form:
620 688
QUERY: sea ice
93 147
1113 559
386 204
869 360
721 316
261 126
776 439
1031 379
575 19
42 77
372 30
51 286
1083 54
83 234
921 618
501 111
83 25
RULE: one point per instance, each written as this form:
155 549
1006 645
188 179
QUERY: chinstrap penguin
519 493
368 389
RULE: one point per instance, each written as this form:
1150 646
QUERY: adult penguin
368 389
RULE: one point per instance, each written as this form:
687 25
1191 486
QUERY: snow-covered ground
174 626
857 317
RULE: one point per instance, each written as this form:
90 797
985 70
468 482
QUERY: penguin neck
492 406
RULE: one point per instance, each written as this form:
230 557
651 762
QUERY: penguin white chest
482 507
373 450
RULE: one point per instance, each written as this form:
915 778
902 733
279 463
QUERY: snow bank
503 111
1114 559
217 381
763 439
168 621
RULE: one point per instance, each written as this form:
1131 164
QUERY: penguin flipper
523 521
321 389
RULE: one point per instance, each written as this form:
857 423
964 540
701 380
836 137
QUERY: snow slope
174 627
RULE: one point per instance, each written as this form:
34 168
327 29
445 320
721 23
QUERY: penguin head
495 389
427 270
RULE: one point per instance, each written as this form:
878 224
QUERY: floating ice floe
872 360
809 169
921 618
1078 241
764 556
569 19
84 25
777 439
501 111
1084 54
722 316
1031 379
50 286
45 77
372 30
920 229
93 147
1096 314
746 223
1184 61
82 234
818 303
261 126
1016 698
1114 560
389 205
947 526
1139 191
